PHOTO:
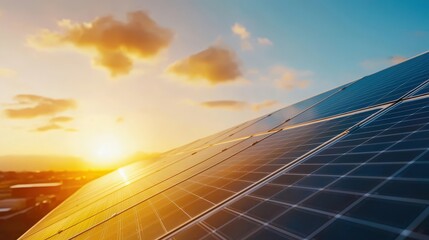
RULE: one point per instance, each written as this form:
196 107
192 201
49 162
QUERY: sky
102 80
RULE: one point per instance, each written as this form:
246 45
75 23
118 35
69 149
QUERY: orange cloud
215 64
55 124
374 64
48 127
32 106
289 79
61 119
225 104
264 104
238 105
397 59
115 42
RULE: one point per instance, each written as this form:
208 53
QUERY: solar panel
321 168
372 184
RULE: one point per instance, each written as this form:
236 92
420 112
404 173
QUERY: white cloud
244 35
240 31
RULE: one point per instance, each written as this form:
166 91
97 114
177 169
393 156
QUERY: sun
107 149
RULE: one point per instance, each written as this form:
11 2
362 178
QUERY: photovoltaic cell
379 194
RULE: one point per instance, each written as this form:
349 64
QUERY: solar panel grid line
422 91
397 103
417 89
212 231
263 224
262 181
381 106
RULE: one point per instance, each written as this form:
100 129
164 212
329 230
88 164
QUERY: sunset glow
108 150
128 77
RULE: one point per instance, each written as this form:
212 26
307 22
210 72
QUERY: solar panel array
351 162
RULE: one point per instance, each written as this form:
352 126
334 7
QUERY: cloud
240 31
51 127
375 64
55 123
61 119
215 64
289 79
264 41
246 39
238 105
225 104
397 59
32 106
116 43
6 72
265 104
244 35
48 127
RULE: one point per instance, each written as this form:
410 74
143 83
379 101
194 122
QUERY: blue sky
311 46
